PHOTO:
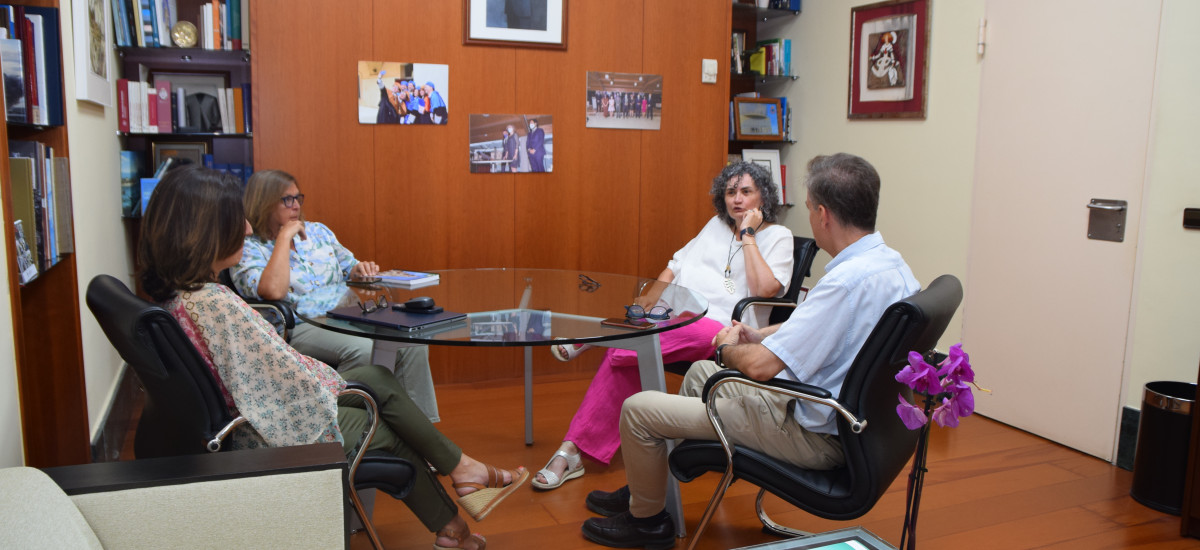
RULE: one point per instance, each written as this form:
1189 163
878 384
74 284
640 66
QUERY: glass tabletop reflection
523 307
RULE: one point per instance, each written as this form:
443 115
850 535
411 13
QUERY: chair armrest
740 308
276 312
798 390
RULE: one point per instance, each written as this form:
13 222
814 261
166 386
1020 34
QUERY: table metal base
650 368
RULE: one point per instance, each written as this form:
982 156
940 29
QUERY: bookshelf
748 21
45 310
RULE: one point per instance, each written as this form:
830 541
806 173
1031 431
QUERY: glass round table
522 307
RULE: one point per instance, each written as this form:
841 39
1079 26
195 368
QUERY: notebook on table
391 318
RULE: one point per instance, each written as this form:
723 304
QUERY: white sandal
567 352
574 470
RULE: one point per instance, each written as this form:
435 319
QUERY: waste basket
1160 461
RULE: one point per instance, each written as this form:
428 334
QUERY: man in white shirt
816 345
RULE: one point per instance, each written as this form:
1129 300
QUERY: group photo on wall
628 101
501 144
403 93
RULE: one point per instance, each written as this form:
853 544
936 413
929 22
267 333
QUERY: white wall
100 235
926 166
1163 337
12 449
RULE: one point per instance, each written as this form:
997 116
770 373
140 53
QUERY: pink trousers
595 428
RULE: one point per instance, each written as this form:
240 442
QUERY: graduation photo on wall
403 93
506 144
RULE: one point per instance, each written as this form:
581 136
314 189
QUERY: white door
1063 118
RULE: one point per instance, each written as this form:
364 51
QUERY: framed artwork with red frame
889 59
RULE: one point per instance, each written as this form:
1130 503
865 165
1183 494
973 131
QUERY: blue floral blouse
319 265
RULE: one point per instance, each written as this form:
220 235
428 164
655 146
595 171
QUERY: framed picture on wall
769 159
758 118
92 22
889 53
521 23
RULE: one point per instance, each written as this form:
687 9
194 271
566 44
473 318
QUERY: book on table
407 279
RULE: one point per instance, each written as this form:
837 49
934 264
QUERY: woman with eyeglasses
302 263
193 228
739 253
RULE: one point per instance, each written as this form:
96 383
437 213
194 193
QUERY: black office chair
185 413
875 442
804 251
280 314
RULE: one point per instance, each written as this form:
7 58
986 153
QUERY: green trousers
406 432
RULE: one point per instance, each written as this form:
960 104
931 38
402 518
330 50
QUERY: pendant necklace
729 285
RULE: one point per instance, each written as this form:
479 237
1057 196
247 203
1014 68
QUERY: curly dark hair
194 218
762 180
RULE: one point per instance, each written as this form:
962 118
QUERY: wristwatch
748 231
720 361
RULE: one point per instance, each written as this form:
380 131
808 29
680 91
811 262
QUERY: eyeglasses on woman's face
293 200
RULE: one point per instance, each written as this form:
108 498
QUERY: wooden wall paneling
679 165
433 213
306 119
583 215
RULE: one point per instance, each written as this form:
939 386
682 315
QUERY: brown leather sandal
464 540
479 503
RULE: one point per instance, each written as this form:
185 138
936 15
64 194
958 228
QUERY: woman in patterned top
302 263
193 228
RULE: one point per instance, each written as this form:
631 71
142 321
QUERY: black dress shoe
609 504
625 531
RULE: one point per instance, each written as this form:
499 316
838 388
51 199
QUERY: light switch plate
708 71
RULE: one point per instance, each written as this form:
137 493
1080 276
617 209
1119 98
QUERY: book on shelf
123 105
235 24
147 188
149 109
41 200
408 279
21 181
130 188
247 106
149 28
162 93
48 50
14 80
25 265
239 120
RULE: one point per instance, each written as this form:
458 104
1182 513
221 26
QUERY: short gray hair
847 185
762 180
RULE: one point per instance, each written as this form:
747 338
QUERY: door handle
1113 207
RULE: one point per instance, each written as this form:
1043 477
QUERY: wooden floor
988 486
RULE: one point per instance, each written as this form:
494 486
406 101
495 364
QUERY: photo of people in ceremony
403 93
624 100
506 144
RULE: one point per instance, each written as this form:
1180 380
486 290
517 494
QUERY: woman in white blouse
739 253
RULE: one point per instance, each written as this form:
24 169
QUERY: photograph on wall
509 144
628 101
403 93
526 23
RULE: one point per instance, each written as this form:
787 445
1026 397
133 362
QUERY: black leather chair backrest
184 408
873 457
804 251
877 455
